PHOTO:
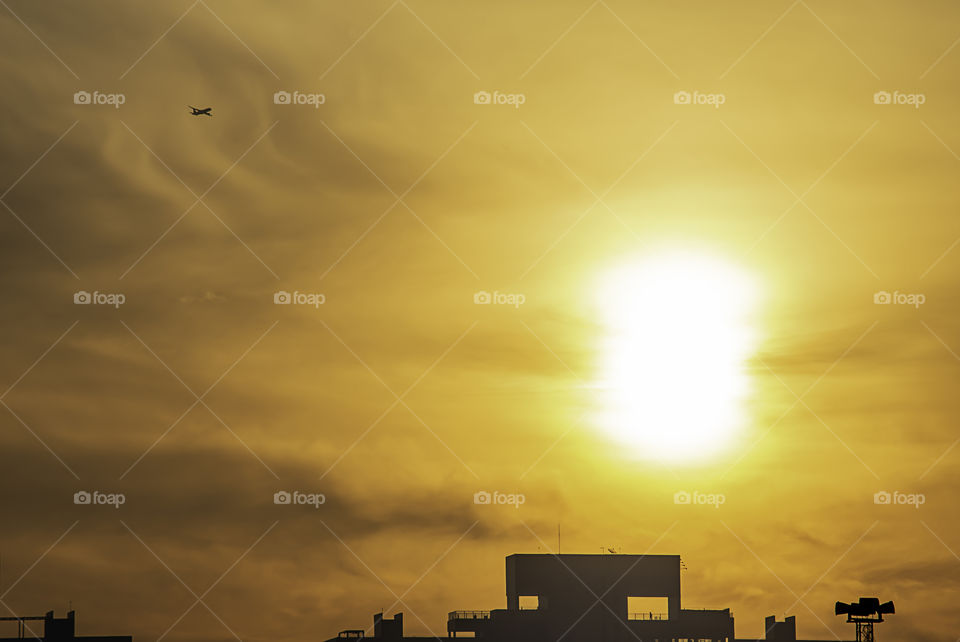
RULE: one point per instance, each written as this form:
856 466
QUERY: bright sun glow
678 334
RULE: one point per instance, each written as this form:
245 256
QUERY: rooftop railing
468 615
647 616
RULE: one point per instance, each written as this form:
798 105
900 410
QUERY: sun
672 364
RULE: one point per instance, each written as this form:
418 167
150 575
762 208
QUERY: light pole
864 613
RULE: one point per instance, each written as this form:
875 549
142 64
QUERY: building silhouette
56 629
588 598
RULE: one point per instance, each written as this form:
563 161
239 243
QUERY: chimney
57 629
388 628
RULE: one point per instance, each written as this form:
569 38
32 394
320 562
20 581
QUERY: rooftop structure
55 629
588 598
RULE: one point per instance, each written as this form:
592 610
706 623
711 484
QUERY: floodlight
865 612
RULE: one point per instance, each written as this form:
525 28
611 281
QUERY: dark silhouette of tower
865 612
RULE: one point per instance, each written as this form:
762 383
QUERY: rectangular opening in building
646 608
529 602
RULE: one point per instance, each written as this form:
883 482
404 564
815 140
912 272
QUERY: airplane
201 112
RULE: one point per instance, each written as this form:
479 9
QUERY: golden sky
398 199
